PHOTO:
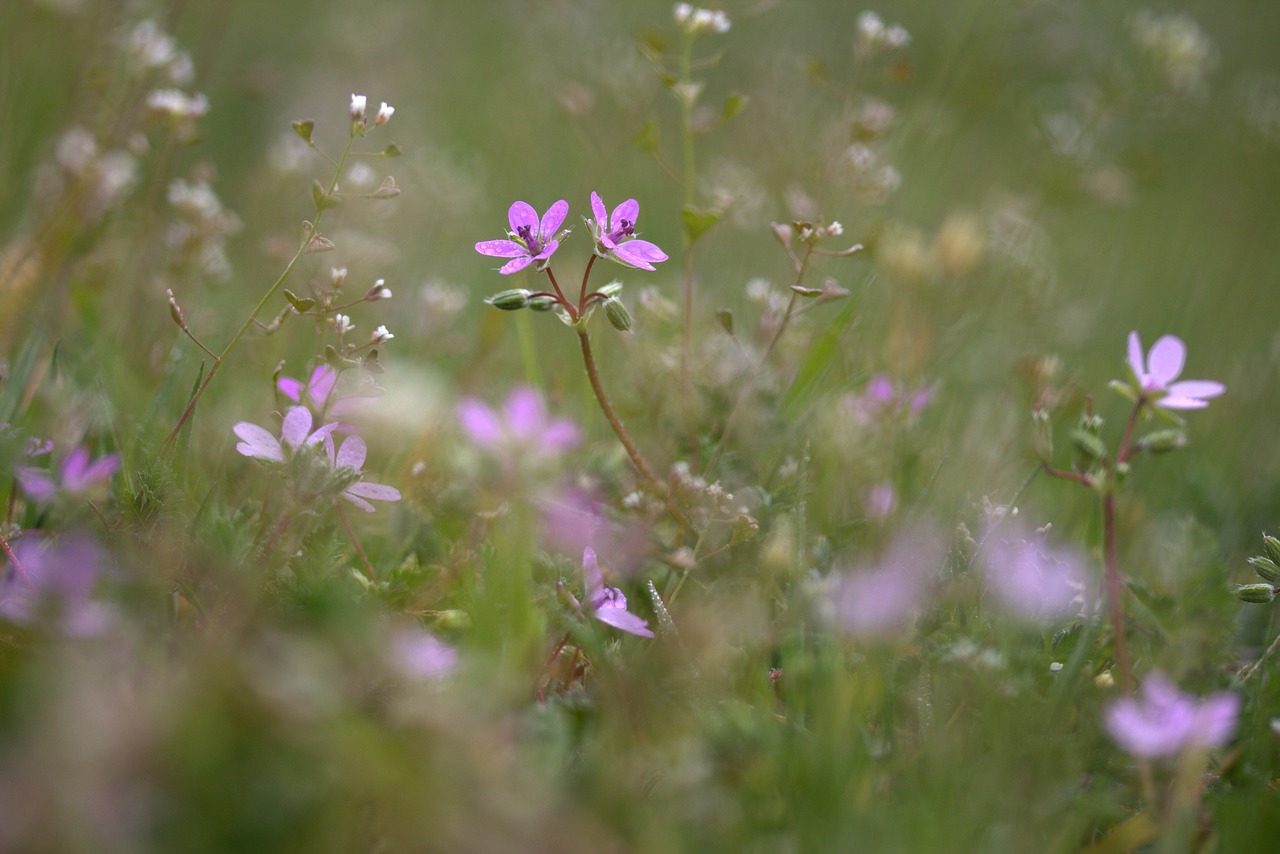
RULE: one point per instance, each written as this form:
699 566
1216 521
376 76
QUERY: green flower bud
453 619
1088 444
1163 441
612 289
1272 545
1259 594
1266 568
542 303
619 317
512 300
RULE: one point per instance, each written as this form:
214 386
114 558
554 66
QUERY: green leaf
322 199
734 104
698 222
647 139
303 128
301 304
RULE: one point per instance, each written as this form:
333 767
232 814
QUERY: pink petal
501 248
290 388
628 210
296 426
524 413
376 491
548 250
1136 363
1200 389
553 218
639 253
480 423
515 265
38 484
357 501
560 436
258 442
352 453
521 214
322 434
624 620
599 212
1166 359
73 468
321 384
592 577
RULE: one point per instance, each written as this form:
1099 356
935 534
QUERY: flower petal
624 620
598 211
290 388
639 253
321 384
515 265
351 453
1136 362
258 442
501 248
296 426
1166 359
524 413
38 484
1201 389
560 436
522 214
628 210
357 501
376 491
552 219
548 250
592 577
480 423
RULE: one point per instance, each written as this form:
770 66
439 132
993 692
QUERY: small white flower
379 291
384 114
337 275
342 324
379 335
358 105
178 104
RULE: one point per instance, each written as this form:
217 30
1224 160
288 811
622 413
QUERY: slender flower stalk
310 233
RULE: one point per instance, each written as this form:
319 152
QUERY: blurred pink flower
573 519
608 604
615 235
880 599
317 394
420 655
1163 364
529 239
77 475
57 586
521 430
1163 721
880 501
883 400
1035 581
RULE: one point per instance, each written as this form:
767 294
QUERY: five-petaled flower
296 433
77 475
530 240
608 604
1163 364
1163 721
522 431
615 235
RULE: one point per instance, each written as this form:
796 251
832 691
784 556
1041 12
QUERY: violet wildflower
530 240
521 430
56 586
351 454
419 655
1163 721
318 393
77 475
608 604
1035 581
615 235
883 598
1155 375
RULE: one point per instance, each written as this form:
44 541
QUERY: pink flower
1163 721
56 585
530 239
608 604
1155 376
420 655
77 475
1034 581
521 430
881 599
296 433
615 237
318 394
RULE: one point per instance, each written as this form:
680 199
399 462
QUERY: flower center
530 239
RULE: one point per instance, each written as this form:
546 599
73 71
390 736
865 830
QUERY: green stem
611 416
312 231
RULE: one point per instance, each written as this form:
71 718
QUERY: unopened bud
512 300
453 619
175 311
1266 568
612 289
1272 545
542 303
358 106
1088 444
619 317
1258 594
1163 441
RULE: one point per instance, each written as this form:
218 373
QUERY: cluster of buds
1267 566
695 21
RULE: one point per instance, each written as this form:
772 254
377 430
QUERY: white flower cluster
201 228
874 35
1182 51
694 20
